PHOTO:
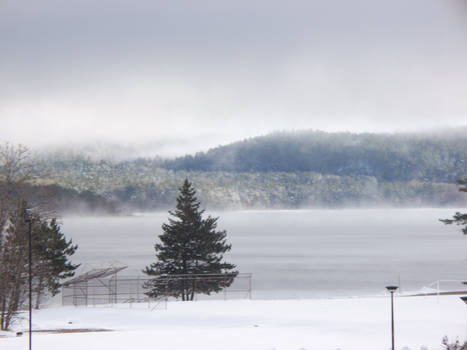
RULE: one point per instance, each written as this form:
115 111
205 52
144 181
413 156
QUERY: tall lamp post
391 290
464 299
29 220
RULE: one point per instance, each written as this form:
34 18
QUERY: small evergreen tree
459 218
190 253
51 258
453 346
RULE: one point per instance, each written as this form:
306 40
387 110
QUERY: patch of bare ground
73 330
462 292
54 331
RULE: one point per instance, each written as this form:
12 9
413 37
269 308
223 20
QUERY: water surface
301 253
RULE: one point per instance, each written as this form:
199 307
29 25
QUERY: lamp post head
28 215
464 299
392 289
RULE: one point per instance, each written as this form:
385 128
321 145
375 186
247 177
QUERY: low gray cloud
210 72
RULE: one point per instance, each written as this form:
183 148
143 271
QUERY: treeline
67 200
153 189
281 170
285 190
387 157
59 199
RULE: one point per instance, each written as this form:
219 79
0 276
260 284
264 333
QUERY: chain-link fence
127 290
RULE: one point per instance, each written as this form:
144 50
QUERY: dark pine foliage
52 252
190 253
387 157
453 346
459 218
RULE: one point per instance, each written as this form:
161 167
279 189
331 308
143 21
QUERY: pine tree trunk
194 282
192 296
14 302
39 292
2 321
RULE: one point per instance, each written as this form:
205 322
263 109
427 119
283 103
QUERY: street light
391 290
29 221
464 299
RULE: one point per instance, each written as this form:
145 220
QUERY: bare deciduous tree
15 170
13 265
51 250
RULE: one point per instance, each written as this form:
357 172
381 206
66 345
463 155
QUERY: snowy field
313 324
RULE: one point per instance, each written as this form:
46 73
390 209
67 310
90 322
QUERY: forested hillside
281 170
387 157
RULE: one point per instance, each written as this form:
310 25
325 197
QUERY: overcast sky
187 75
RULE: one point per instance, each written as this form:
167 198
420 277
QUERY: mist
184 78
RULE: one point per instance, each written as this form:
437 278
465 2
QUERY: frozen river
301 253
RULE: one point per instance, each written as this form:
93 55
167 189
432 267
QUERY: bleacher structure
104 285
96 286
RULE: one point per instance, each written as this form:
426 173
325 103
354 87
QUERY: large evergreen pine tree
190 253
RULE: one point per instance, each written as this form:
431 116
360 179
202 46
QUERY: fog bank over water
300 253
170 147
215 72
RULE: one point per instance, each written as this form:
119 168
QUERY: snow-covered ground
315 324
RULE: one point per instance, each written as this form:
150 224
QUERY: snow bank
319 324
